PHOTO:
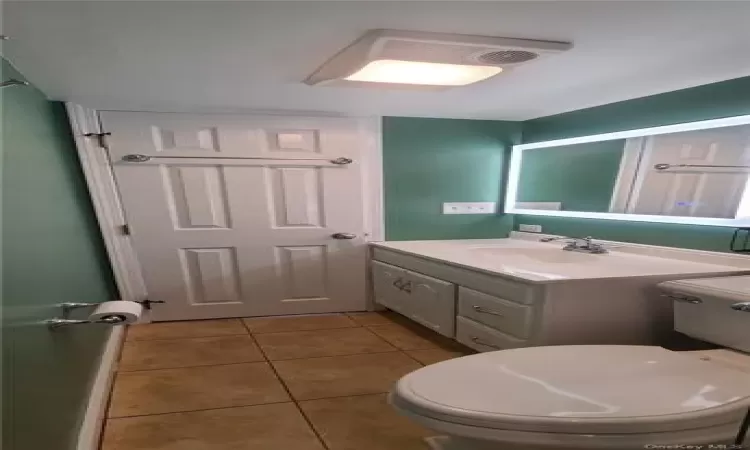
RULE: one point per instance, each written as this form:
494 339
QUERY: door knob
343 235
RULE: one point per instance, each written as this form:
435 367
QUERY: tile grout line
257 344
339 396
253 333
413 358
344 315
289 393
384 339
265 360
433 345
192 367
199 410
182 338
311 425
292 400
394 350
357 325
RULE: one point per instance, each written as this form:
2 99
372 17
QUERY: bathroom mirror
694 173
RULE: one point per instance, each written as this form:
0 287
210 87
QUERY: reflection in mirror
578 177
700 173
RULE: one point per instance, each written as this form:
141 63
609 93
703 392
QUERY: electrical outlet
530 228
470 208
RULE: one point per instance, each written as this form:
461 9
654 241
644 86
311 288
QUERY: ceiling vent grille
506 57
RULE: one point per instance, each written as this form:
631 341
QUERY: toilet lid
578 389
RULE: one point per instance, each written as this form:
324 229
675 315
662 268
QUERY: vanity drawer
483 338
508 317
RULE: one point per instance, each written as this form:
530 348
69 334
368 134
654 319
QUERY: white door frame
628 174
97 170
106 201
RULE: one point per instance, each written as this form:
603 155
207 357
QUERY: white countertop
731 288
538 262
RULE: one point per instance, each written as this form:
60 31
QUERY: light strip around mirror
514 174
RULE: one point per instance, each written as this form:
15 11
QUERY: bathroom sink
547 262
539 255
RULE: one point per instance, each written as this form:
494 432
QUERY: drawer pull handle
476 340
400 285
479 309
684 298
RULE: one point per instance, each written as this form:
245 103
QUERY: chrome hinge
101 138
125 229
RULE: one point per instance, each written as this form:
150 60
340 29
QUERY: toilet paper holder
64 321
57 323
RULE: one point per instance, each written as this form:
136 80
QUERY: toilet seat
716 434
577 390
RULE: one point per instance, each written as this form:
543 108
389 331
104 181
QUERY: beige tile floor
292 383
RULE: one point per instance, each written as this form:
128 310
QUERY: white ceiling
251 56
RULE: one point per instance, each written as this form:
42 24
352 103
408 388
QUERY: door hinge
147 303
125 229
101 139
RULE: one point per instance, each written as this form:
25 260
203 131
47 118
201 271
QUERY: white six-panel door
233 216
698 192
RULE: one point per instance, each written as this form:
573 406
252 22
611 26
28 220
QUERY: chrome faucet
574 244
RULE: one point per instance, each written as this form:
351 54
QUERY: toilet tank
703 309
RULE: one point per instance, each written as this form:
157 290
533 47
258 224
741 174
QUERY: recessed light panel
427 73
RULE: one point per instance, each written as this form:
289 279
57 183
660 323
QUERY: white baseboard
96 408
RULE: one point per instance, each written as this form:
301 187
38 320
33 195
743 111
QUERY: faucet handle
557 238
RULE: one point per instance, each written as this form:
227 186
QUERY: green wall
427 162
712 101
51 253
581 176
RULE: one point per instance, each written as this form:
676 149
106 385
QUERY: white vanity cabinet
442 301
521 303
424 299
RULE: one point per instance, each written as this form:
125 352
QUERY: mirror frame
514 174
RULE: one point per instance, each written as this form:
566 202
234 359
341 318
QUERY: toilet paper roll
129 311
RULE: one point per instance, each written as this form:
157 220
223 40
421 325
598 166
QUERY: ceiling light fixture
416 72
411 59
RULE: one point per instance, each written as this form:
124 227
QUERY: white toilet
597 397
